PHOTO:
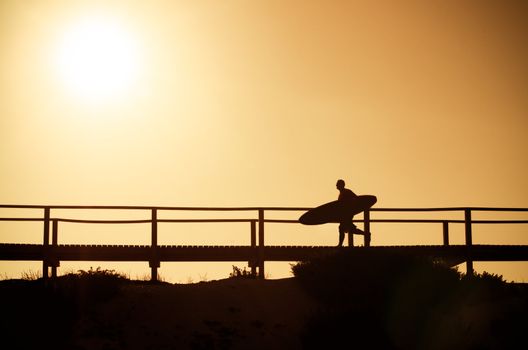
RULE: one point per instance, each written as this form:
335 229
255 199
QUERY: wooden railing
256 222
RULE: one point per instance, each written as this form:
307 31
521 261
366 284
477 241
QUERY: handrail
117 207
447 209
145 221
283 221
124 207
416 221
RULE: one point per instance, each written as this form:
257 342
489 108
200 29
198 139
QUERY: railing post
469 241
154 258
45 244
254 253
53 259
261 243
445 227
366 227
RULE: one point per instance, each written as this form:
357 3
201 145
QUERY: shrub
240 273
393 301
336 278
86 287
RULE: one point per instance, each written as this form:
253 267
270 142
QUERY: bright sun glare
97 59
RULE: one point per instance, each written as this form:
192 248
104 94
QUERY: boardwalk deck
247 253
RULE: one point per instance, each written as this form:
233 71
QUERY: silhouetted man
346 225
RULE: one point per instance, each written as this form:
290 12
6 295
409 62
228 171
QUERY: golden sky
264 103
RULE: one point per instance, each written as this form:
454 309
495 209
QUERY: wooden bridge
50 252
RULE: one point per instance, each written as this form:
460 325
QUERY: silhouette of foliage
51 309
392 301
241 273
86 287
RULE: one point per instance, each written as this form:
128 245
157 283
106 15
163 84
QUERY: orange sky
266 103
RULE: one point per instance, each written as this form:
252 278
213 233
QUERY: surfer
346 225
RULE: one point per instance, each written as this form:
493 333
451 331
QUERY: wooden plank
210 253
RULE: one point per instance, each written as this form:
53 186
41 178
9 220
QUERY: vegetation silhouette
392 301
340 300
241 273
48 310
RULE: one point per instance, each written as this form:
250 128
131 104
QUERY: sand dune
226 314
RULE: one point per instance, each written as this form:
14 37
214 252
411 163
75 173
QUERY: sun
97 59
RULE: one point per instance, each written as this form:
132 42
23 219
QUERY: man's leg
341 234
357 231
367 239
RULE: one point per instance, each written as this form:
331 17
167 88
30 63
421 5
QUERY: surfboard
337 211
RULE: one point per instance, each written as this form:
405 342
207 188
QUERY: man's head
340 184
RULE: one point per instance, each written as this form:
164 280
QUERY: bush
240 273
85 288
335 279
393 301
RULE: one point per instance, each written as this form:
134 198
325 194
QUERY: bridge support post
154 258
445 230
254 252
261 271
54 259
45 244
469 242
366 227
